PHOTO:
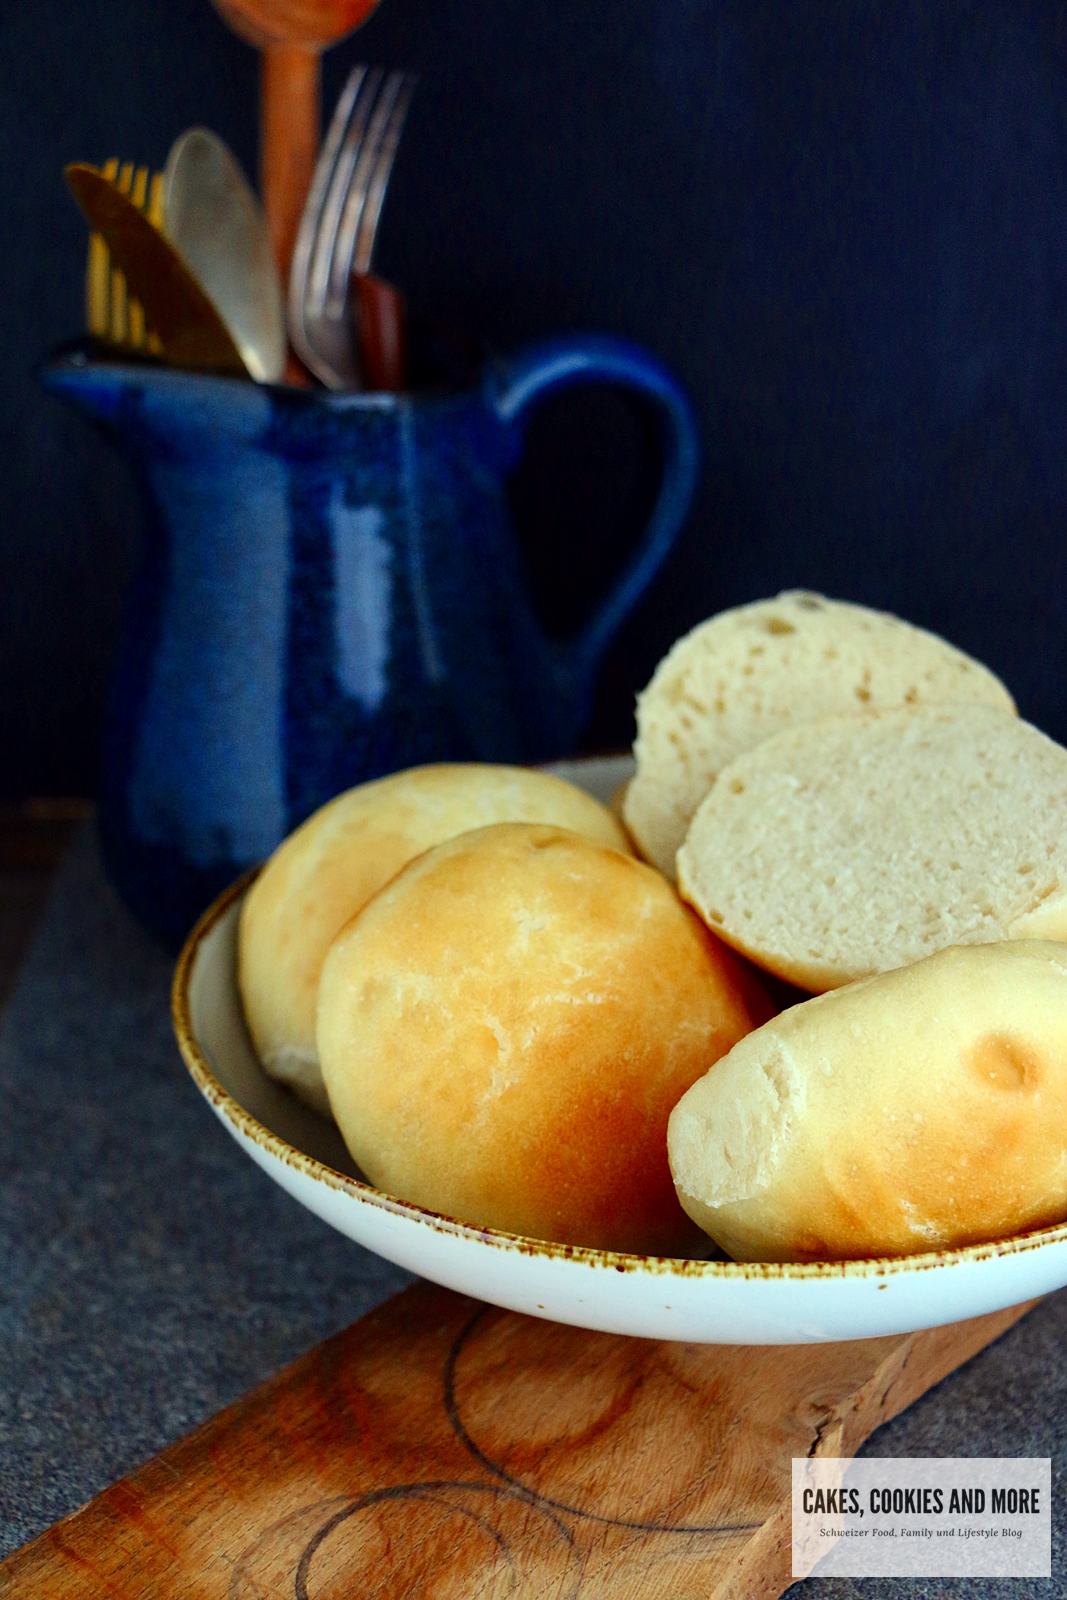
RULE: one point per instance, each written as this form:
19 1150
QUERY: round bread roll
342 855
921 1110
850 846
504 1029
749 673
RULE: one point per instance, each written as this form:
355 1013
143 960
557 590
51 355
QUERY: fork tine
342 115
98 286
120 326
383 168
152 341
309 235
349 160
155 201
135 310
356 198
353 169
306 251
98 273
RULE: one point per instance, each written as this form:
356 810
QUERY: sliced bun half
857 844
749 673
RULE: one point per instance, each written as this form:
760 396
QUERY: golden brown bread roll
919 1110
505 1027
331 866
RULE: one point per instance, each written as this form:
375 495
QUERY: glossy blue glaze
331 590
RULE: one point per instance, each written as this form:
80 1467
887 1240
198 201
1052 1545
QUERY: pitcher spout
92 387
153 405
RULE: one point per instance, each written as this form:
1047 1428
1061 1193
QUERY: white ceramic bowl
700 1301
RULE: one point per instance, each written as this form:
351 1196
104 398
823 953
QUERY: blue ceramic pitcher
331 590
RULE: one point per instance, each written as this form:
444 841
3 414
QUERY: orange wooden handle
289 141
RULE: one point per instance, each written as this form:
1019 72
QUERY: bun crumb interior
749 673
856 844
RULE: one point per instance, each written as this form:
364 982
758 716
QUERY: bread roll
747 674
325 871
504 1029
849 846
920 1110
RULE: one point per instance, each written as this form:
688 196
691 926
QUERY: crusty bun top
856 844
923 1109
504 1029
748 673
342 855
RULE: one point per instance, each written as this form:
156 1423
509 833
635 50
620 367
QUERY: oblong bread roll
923 1109
329 867
749 673
849 846
504 1029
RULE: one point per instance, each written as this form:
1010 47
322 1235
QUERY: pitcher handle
555 364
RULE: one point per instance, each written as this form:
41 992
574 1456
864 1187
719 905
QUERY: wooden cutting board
441 1447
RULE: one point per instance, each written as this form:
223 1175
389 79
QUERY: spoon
190 330
216 224
291 35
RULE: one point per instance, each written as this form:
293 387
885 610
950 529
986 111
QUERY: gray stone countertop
152 1274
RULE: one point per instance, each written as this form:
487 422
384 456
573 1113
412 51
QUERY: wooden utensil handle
289 140
380 329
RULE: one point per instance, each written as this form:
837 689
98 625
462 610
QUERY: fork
111 314
340 221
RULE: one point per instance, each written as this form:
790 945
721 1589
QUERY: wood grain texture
442 1447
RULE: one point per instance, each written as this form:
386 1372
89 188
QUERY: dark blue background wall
842 223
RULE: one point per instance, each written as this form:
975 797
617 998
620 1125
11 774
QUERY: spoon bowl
313 24
216 224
